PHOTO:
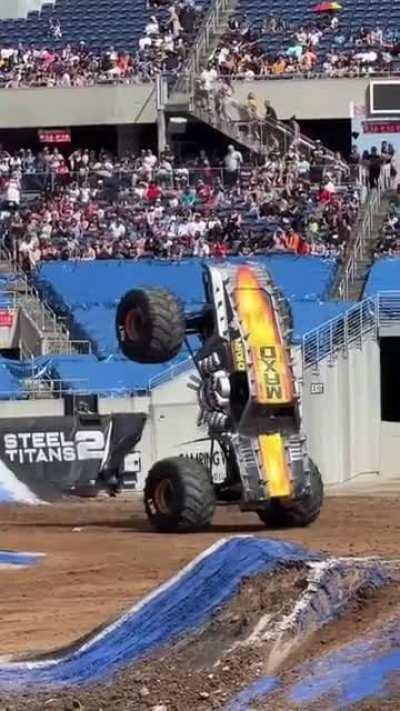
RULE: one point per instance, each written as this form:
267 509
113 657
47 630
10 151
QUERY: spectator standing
232 163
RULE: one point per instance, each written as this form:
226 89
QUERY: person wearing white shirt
209 77
149 161
152 27
117 229
144 42
232 162
196 226
13 193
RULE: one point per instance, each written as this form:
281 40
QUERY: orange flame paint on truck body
274 379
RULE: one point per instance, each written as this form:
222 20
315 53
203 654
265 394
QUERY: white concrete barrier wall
10 9
390 448
341 411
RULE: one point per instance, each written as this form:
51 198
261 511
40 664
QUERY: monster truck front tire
179 495
301 511
150 325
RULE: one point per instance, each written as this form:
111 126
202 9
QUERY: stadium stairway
256 138
41 332
365 261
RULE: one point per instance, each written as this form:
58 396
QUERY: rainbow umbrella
327 7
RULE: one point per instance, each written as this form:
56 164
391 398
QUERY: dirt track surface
101 556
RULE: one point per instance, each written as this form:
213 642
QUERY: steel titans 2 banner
54 455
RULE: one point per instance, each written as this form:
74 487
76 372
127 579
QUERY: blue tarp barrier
384 276
177 608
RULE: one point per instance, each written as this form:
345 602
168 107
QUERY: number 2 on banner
89 444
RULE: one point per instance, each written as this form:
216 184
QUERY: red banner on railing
381 126
60 135
6 318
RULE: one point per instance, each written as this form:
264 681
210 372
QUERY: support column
161 130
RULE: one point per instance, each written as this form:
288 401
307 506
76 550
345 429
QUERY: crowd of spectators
388 244
275 49
164 46
318 47
158 208
374 162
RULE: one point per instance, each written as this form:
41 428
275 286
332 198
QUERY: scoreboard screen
384 97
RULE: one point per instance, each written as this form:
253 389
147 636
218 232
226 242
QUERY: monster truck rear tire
301 511
179 495
150 325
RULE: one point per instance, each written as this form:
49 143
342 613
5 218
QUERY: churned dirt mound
102 556
207 671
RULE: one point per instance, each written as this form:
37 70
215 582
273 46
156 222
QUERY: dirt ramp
245 624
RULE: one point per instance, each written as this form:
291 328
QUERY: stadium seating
308 315
353 15
68 285
88 292
384 276
117 23
10 387
121 22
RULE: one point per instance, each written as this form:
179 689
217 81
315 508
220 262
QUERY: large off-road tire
150 325
179 495
301 511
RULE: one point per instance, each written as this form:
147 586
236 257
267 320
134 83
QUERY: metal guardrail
362 321
172 372
362 234
255 133
338 334
210 25
37 182
56 338
61 346
55 389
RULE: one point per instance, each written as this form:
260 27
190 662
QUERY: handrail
209 26
363 234
337 334
367 318
172 372
43 315
253 134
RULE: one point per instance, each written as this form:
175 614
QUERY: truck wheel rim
163 496
133 324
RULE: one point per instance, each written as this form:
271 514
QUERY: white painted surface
343 422
10 9
390 448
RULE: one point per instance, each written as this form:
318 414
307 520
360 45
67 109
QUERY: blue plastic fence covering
89 293
384 276
178 608
308 315
87 284
84 373
10 386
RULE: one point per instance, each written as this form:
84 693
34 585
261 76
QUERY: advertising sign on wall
52 456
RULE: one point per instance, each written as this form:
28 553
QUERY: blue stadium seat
77 18
383 276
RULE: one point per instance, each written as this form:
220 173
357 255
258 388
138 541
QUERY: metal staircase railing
256 134
362 236
368 318
211 26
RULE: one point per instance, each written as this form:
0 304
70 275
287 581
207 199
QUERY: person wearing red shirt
153 192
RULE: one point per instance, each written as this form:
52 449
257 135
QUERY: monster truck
247 396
